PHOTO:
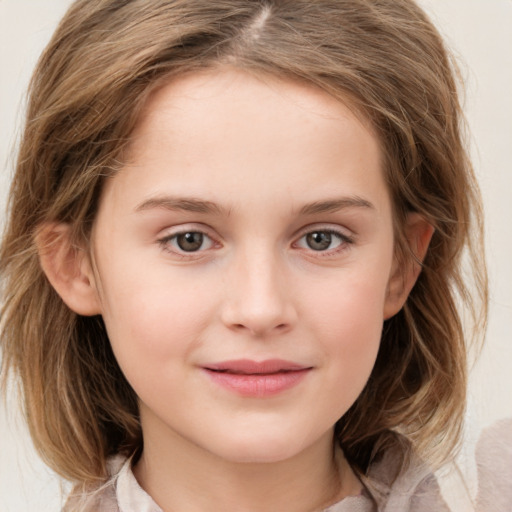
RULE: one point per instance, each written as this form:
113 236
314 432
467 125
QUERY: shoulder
102 498
401 481
120 493
494 466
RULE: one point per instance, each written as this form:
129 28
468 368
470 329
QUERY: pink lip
257 378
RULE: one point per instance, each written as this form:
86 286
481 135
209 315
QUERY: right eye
187 242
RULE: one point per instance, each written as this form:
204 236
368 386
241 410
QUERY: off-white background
480 32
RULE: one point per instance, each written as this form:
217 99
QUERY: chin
260 449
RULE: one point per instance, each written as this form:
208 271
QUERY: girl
232 267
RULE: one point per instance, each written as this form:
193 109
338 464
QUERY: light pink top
387 489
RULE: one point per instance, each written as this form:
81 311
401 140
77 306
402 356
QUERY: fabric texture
494 466
388 488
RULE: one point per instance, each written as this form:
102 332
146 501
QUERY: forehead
229 89
225 132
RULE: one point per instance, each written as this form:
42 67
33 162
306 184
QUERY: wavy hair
382 57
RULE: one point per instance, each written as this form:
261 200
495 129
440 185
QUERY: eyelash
166 241
344 242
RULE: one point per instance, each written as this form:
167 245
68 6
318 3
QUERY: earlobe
68 268
403 277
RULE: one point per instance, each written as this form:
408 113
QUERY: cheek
150 322
349 319
349 302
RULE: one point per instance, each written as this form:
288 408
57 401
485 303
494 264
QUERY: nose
259 298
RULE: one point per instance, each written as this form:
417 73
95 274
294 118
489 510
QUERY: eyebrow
188 204
191 204
334 205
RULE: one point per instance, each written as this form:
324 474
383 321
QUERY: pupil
319 240
190 242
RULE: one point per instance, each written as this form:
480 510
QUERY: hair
385 59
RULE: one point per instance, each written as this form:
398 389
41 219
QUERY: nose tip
257 325
258 317
259 303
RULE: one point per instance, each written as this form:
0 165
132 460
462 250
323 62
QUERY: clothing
494 465
388 488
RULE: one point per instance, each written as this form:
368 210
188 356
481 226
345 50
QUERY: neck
179 475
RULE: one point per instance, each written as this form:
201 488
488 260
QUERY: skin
255 164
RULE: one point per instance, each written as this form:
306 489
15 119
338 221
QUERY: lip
257 378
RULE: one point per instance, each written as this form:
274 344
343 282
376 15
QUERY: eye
187 241
322 240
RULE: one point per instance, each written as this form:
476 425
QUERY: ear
68 268
418 233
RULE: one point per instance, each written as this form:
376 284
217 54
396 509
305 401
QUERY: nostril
259 311
257 331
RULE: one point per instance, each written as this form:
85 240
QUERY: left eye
321 240
189 241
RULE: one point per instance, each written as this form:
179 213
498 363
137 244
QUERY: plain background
478 31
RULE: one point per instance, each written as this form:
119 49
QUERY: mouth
257 378
249 367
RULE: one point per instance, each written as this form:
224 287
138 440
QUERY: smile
257 379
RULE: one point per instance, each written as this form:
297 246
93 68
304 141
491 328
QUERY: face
243 260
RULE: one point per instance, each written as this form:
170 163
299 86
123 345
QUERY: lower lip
258 385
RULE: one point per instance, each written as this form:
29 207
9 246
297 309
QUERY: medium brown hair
382 57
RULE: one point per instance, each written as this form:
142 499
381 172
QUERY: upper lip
250 367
